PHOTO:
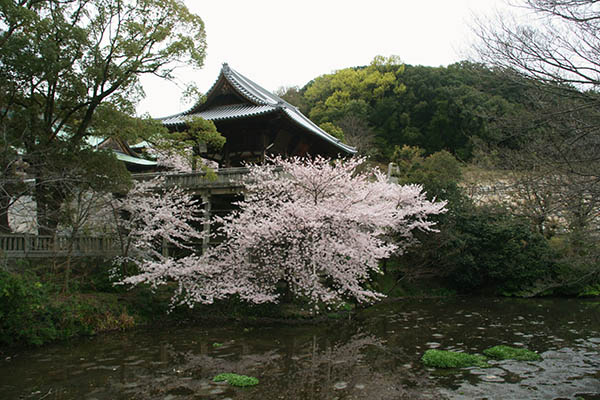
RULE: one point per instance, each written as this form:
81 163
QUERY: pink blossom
316 226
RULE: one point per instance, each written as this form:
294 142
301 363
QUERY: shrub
494 250
590 291
33 312
485 250
24 315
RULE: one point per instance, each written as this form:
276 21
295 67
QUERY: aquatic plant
236 380
511 353
452 359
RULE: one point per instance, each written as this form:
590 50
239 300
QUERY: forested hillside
387 104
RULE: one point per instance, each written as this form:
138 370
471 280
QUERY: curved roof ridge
252 90
171 116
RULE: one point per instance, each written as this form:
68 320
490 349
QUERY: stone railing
28 246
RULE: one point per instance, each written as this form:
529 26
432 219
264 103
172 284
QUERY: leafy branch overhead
74 55
184 150
71 69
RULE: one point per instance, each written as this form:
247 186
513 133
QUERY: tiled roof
135 160
263 102
231 111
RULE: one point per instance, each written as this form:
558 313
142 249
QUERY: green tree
333 130
200 138
557 164
293 95
439 173
476 248
62 61
432 108
490 249
353 91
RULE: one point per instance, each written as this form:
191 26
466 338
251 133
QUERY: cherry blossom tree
177 160
319 226
153 217
313 228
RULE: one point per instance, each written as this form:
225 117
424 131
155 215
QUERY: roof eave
311 127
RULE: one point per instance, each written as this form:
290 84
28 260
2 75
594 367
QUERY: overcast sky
283 43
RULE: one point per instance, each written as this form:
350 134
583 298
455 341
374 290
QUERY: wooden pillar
165 248
206 227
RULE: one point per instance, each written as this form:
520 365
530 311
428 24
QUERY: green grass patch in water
511 353
236 380
452 359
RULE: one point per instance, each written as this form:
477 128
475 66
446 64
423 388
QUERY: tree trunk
48 206
4 206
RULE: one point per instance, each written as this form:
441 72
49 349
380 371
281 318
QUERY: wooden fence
34 246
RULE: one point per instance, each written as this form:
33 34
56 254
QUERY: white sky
283 43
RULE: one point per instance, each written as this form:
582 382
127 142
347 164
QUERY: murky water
374 356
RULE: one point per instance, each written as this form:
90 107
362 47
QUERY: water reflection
375 356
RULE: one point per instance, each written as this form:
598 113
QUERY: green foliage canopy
333 130
439 173
199 138
62 59
353 90
441 108
71 69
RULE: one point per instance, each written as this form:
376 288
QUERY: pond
375 355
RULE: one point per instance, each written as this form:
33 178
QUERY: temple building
134 162
256 123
